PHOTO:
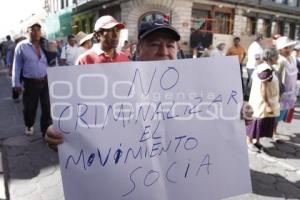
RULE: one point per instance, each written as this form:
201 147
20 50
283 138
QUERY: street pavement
31 170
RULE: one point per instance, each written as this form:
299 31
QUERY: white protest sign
161 130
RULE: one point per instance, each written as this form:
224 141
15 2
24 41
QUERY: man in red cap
107 34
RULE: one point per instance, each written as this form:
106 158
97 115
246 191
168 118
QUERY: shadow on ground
26 156
274 185
288 147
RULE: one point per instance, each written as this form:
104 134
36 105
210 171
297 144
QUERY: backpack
50 55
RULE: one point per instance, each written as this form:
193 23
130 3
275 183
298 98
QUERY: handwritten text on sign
151 130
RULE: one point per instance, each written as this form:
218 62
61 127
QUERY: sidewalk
31 170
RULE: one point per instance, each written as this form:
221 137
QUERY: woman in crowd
264 99
287 69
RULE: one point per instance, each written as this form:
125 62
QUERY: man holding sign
157 41
181 162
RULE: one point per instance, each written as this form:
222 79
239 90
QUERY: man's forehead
35 28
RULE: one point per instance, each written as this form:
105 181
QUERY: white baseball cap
107 22
283 42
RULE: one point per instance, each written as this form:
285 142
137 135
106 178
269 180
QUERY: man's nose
163 49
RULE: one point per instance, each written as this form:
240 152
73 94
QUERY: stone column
181 20
239 23
287 29
260 26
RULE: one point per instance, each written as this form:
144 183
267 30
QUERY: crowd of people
274 90
272 72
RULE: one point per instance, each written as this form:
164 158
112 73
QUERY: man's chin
154 58
163 58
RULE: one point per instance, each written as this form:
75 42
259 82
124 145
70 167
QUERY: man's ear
97 36
138 48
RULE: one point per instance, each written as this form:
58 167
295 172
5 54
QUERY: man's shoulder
122 55
22 44
87 57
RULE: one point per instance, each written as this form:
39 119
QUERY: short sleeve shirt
70 54
96 55
239 51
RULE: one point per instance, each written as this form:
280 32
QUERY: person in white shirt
218 51
255 51
69 52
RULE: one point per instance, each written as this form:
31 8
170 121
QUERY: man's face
35 33
157 46
286 51
87 44
236 42
72 41
221 47
109 38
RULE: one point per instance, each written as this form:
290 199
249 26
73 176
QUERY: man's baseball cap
147 28
107 22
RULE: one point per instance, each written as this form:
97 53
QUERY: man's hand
53 138
269 109
18 89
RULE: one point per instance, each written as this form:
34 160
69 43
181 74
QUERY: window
281 28
267 27
292 31
75 27
251 25
292 3
62 4
222 23
83 23
201 20
91 23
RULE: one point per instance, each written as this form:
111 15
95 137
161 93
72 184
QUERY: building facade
58 22
209 20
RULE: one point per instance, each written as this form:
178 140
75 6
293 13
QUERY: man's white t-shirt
70 54
254 51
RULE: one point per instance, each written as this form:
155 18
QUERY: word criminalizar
126 112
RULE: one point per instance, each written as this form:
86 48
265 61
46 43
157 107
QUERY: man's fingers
53 147
54 138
